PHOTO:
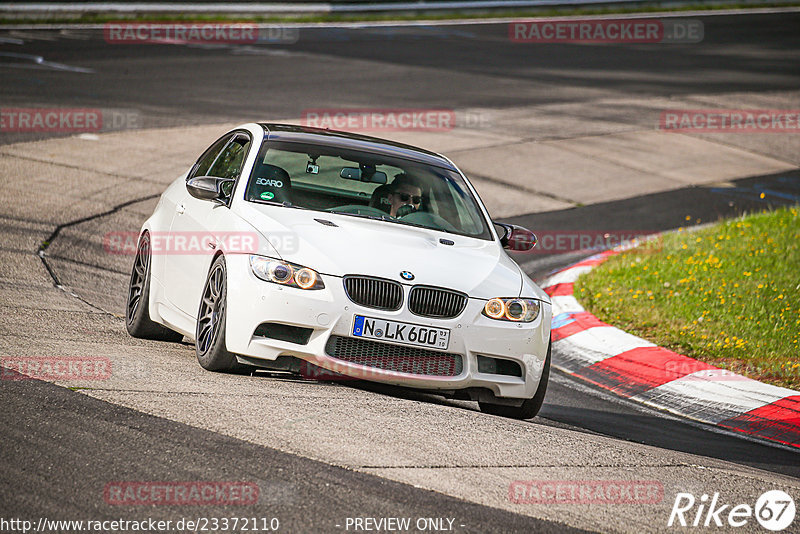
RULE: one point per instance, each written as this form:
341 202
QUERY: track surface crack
43 246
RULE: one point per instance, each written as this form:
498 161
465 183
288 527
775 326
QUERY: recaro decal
270 182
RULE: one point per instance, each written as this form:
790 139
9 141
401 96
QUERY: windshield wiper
287 204
389 218
364 216
284 204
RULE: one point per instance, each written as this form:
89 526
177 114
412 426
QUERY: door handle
180 208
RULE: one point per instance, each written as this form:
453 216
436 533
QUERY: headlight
285 273
305 278
495 309
512 309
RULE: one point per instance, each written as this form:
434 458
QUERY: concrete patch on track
413 438
569 154
782 147
601 168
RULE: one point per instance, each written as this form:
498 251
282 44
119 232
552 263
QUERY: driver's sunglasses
405 197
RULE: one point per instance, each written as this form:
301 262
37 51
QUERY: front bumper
329 312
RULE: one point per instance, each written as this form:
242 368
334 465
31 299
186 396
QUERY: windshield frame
354 154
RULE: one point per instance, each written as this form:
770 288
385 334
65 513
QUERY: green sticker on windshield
266 195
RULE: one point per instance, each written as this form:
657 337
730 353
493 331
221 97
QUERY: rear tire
531 406
210 334
137 309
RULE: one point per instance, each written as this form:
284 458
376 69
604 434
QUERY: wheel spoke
143 259
138 277
205 327
204 338
211 310
217 283
132 307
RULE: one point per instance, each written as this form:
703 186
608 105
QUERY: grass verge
728 295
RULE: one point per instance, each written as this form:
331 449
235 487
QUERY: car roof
364 143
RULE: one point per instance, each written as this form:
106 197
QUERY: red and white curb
637 369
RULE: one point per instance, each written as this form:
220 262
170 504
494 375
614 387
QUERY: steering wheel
405 211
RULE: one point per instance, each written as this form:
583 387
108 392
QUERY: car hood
477 267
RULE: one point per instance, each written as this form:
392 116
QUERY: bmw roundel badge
407 275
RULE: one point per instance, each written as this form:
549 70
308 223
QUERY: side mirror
516 237
207 187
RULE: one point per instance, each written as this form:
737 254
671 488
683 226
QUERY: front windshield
361 184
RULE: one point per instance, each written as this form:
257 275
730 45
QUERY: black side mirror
516 238
207 187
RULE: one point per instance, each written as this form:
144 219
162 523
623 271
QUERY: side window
208 158
230 161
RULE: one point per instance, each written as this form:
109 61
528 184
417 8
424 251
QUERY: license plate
406 333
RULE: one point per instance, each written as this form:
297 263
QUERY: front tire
210 334
137 309
531 406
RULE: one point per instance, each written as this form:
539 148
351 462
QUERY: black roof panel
364 143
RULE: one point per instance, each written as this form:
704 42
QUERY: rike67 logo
774 510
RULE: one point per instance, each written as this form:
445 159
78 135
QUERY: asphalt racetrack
557 137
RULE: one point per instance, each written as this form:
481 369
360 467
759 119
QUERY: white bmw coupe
286 247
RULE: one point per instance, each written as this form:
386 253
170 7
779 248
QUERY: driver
405 192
